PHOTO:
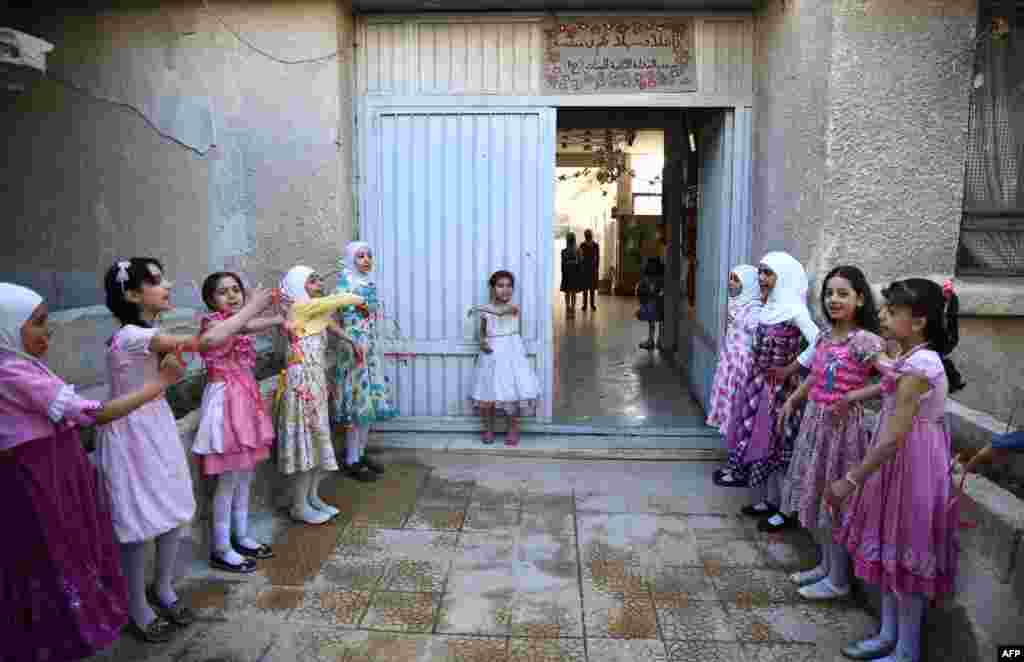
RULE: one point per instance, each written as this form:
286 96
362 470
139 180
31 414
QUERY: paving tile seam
579 572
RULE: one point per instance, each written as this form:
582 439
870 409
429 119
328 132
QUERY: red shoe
512 437
487 437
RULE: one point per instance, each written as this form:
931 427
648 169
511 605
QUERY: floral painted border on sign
593 55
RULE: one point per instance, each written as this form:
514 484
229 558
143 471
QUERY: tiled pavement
488 559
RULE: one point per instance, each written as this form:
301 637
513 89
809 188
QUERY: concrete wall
255 170
865 106
991 358
792 42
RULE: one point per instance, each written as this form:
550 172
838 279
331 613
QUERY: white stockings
314 494
307 506
133 562
231 507
355 443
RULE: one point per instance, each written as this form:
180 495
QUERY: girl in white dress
504 379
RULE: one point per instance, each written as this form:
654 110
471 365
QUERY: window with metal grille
992 227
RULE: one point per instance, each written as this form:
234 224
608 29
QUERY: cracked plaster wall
261 181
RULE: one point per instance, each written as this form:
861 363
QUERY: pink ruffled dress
141 456
900 527
235 431
62 594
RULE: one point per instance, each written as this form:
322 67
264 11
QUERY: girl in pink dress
833 437
897 520
735 355
62 594
235 431
141 457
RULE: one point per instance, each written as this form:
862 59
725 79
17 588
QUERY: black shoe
177 613
360 472
751 511
733 481
159 631
372 466
259 552
764 526
243 568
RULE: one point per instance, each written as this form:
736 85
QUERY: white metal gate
723 235
449 196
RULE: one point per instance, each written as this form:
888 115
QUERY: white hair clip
122 272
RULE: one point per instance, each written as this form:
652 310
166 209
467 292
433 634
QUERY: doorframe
735 240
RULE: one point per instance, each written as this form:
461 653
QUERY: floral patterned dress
733 365
362 392
828 446
301 406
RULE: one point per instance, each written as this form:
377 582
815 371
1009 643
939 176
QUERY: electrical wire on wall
239 37
82 91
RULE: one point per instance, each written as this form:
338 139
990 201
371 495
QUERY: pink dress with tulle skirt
900 527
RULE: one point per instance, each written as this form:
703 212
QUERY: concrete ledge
999 519
979 297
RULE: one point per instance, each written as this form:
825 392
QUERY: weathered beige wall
860 126
262 182
899 83
792 42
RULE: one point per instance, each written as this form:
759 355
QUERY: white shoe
896 657
309 516
869 649
324 507
823 590
812 576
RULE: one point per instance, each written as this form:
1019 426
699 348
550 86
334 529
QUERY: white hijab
17 304
748 277
352 272
293 285
789 296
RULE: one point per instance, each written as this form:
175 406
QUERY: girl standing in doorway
503 379
570 274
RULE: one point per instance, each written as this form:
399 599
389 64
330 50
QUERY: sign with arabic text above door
620 54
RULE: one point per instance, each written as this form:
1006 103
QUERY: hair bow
947 289
122 272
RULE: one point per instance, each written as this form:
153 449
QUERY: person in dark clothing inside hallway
590 257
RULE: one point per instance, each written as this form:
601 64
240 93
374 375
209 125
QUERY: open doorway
627 177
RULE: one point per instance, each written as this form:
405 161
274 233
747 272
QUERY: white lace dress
504 378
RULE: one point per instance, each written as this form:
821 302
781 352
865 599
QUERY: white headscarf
748 277
293 285
352 272
16 306
789 296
